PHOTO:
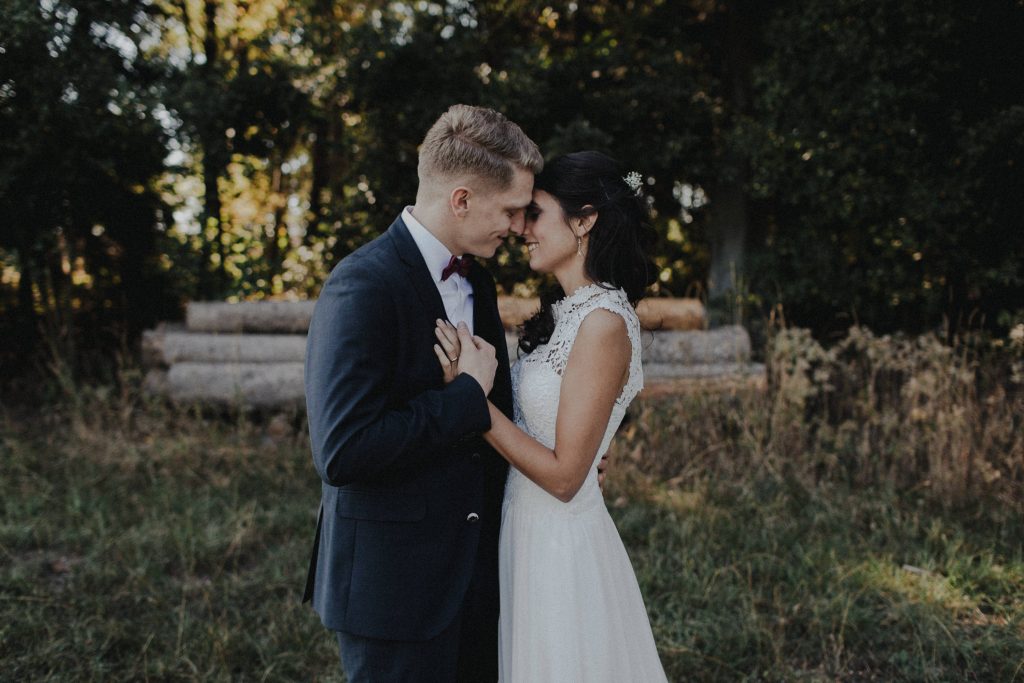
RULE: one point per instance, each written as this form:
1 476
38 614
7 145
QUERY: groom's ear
458 201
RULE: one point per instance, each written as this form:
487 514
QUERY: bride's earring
579 245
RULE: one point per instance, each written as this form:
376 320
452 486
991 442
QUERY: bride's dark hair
585 183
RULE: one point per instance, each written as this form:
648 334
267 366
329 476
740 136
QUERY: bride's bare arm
594 375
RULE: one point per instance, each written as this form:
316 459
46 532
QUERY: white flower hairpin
634 180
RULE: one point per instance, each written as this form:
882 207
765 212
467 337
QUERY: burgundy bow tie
456 265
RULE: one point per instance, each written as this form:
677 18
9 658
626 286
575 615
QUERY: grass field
138 543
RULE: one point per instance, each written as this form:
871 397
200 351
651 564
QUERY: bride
571 608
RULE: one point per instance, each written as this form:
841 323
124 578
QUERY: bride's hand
602 469
478 358
448 349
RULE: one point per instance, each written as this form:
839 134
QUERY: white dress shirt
456 292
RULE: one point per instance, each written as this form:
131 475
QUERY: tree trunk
211 283
728 237
728 217
322 142
58 321
278 228
26 298
214 163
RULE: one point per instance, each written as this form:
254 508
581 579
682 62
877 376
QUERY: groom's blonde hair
476 141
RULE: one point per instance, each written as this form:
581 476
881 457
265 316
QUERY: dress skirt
571 608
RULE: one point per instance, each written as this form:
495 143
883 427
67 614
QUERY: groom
405 562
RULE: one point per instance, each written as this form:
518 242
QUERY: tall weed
905 414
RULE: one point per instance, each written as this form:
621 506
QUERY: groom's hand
477 359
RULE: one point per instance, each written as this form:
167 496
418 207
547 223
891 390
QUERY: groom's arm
350 356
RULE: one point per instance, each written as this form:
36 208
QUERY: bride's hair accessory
634 180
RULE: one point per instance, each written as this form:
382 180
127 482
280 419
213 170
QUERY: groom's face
493 214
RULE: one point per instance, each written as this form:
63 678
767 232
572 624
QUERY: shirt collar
435 254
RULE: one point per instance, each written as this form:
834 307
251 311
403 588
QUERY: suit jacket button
475 456
472 518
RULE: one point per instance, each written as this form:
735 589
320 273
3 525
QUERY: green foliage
158 152
79 144
602 76
886 138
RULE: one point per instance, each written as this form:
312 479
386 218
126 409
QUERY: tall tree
235 96
79 147
885 138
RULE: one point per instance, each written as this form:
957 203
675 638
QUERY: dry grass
906 415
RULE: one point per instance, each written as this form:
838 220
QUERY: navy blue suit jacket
411 494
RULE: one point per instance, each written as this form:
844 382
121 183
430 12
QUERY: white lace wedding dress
571 609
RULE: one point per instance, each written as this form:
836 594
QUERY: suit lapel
487 324
416 269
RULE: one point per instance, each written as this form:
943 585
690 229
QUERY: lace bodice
537 376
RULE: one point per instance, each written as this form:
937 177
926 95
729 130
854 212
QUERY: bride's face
549 238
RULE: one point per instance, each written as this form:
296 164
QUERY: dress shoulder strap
570 314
